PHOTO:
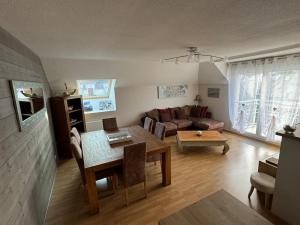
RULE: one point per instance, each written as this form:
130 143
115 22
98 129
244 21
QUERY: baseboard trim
253 138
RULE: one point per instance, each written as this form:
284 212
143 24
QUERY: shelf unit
67 112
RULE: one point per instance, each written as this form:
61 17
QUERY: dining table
99 154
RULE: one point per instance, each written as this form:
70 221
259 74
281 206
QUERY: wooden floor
195 174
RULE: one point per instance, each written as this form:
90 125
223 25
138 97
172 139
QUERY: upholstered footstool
264 183
207 124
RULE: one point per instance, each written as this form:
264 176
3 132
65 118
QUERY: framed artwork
172 91
213 92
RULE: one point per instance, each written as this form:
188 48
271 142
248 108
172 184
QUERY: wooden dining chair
134 167
110 124
77 152
148 124
159 132
108 173
74 132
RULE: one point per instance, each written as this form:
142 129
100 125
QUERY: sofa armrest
143 120
208 115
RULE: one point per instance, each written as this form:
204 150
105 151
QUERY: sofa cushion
153 114
187 109
172 112
206 124
180 114
194 111
208 115
170 126
203 111
165 115
183 123
199 111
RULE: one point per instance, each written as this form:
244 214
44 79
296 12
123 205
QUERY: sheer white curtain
244 88
265 93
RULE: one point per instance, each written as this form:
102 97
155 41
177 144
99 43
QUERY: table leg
225 149
92 191
179 145
166 167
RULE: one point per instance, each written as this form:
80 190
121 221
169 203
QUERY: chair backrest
74 132
77 152
134 164
148 123
160 130
110 124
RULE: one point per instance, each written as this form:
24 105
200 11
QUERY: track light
193 56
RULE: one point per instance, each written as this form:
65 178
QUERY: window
98 95
265 95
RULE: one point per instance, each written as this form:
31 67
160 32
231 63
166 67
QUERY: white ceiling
150 29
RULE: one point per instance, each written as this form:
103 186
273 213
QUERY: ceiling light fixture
193 56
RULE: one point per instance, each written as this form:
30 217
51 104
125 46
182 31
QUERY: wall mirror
29 101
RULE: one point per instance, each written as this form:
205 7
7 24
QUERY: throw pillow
153 114
172 112
203 111
180 114
187 110
194 111
165 115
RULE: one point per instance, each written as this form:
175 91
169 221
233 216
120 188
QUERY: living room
205 93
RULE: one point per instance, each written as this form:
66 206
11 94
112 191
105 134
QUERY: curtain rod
297 54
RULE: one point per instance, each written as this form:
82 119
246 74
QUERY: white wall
132 102
218 106
136 87
212 75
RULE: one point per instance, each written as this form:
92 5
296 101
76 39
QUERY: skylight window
98 95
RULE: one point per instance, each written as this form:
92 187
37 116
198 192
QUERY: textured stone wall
27 158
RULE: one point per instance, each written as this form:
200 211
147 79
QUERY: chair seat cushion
170 126
263 182
182 123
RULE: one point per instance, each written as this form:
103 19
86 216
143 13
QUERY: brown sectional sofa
188 117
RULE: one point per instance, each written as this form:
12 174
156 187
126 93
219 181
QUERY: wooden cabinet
67 112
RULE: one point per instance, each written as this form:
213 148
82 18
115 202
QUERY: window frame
103 97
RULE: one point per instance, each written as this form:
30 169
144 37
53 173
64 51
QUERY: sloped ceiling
127 73
211 73
150 29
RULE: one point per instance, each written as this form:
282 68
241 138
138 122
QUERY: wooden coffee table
208 138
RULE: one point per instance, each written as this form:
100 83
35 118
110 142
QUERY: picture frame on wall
213 92
172 91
